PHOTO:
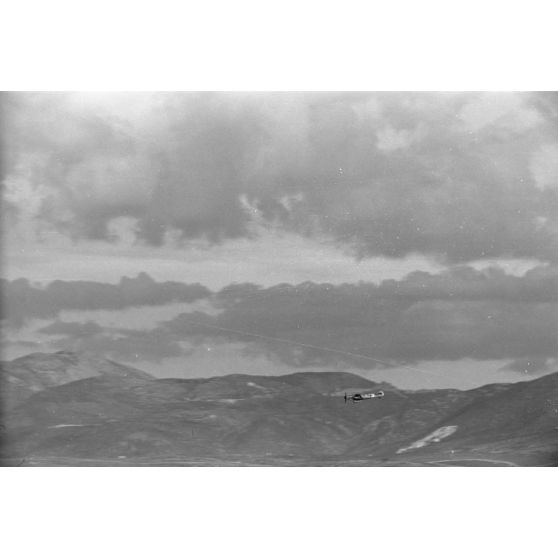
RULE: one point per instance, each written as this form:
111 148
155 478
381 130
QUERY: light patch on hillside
252 384
435 436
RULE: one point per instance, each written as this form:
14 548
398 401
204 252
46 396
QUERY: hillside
71 409
38 371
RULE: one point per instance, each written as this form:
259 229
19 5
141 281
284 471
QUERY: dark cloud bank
23 300
460 313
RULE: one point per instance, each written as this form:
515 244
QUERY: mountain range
73 409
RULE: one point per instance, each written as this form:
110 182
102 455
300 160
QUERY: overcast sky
411 237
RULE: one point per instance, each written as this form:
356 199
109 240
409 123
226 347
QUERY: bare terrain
65 409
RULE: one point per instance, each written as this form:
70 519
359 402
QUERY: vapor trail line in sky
291 342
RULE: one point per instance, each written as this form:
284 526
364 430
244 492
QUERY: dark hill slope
121 413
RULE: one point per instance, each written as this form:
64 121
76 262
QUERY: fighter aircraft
362 396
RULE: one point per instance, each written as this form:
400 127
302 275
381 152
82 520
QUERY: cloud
504 111
461 313
74 330
544 166
527 365
118 343
457 314
178 167
457 177
136 345
23 301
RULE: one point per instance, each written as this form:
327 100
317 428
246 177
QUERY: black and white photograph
280 279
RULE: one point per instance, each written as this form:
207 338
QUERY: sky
407 237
